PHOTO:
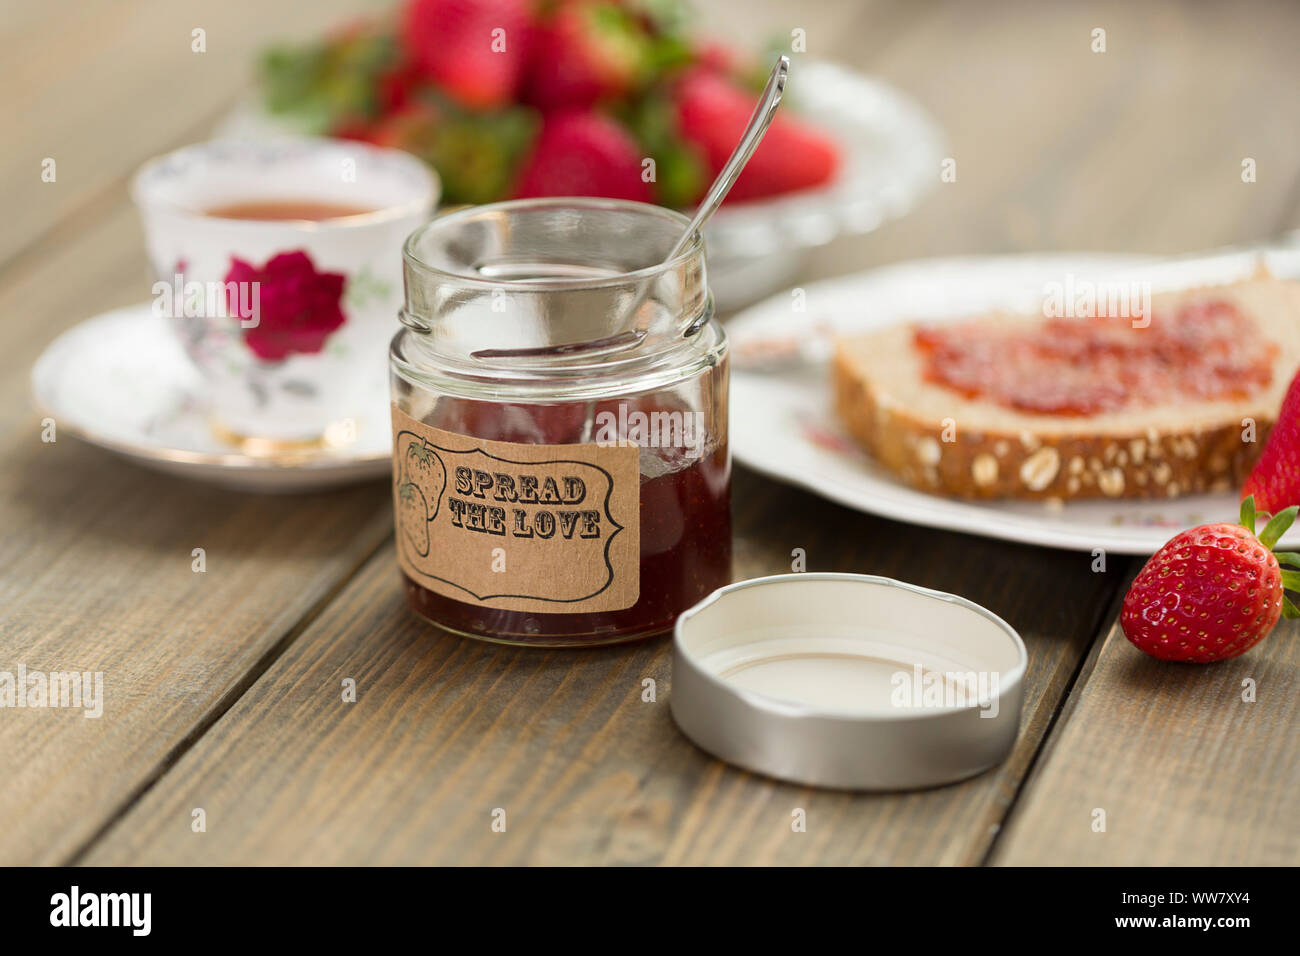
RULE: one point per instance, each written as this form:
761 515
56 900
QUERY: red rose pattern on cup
298 307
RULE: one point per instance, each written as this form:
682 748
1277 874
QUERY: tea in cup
280 263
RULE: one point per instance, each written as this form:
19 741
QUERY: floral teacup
288 319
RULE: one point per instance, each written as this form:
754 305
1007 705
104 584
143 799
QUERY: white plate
121 381
892 151
782 423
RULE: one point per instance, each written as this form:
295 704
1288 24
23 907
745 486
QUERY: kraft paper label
539 528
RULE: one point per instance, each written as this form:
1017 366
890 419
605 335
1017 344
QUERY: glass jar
561 468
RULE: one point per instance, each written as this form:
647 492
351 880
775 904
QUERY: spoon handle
759 121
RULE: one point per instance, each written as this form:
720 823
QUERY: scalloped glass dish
892 151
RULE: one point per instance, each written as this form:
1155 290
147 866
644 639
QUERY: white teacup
288 319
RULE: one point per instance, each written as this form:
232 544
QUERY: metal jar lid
847 681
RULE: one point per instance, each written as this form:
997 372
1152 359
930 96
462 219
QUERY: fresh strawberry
1212 592
396 86
586 51
1275 479
712 112
477 155
583 154
474 50
717 57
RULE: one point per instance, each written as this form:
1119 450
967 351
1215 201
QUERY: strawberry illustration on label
411 508
426 470
421 481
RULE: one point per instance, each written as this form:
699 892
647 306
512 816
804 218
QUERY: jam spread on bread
1205 350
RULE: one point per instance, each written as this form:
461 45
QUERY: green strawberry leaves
1277 524
1276 527
681 175
322 84
477 154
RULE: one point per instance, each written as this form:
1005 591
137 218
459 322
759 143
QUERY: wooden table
223 688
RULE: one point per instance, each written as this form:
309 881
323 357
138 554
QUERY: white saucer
121 381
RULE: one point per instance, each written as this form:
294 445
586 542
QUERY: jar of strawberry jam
561 475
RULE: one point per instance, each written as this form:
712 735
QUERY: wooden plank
828 27
1137 149
1186 769
95 566
99 86
95 574
444 731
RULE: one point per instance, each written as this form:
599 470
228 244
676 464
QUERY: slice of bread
937 439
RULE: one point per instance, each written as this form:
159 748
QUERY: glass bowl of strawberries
615 98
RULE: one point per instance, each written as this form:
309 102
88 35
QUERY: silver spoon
759 121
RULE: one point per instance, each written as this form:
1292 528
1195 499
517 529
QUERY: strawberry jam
1096 364
685 532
